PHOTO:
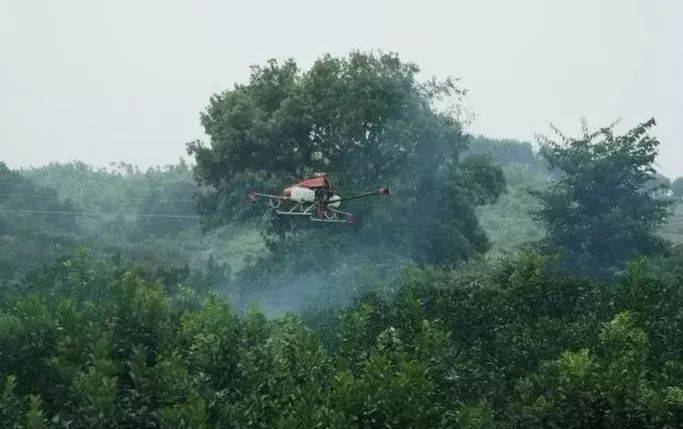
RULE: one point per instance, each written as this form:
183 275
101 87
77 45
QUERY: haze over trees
368 118
677 187
498 287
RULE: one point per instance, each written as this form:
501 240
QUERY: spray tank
300 194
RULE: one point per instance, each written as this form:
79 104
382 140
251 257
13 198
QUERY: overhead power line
82 213
59 198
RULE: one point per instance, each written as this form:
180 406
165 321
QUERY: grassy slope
673 230
509 222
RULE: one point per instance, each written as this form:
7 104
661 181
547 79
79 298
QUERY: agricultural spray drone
313 197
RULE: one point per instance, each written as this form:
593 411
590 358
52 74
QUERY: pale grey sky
125 80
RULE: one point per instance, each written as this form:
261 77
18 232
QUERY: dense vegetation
498 287
520 345
367 117
603 211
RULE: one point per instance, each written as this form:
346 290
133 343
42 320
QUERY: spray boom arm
381 191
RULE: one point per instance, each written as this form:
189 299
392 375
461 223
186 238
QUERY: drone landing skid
329 215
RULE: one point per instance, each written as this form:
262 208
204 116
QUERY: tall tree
599 211
366 118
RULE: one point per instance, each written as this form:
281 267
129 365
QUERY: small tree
599 211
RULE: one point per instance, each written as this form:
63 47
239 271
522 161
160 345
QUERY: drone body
313 197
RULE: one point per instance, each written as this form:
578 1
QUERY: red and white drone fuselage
313 197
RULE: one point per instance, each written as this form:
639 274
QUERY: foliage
147 218
677 187
40 232
368 120
517 344
124 197
599 211
151 327
506 151
233 258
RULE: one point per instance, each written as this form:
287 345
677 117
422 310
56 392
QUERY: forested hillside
500 285
100 208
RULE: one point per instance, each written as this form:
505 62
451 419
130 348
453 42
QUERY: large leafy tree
365 118
602 209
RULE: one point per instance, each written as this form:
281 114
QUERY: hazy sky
125 80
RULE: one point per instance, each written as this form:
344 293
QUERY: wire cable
61 198
81 213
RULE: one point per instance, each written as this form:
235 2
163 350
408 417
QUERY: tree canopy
90 344
600 211
367 119
580 327
34 228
